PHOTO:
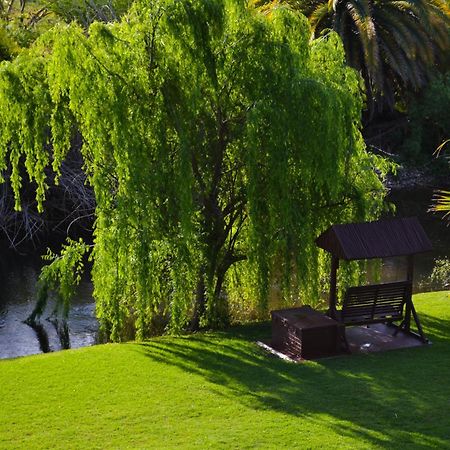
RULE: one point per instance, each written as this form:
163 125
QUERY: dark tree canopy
219 143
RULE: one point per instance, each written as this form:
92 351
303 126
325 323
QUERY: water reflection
18 276
416 202
394 269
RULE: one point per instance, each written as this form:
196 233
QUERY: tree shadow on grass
397 398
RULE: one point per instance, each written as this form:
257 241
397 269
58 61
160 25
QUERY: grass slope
219 390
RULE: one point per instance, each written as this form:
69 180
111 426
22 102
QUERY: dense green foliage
395 44
23 21
429 116
214 138
220 391
441 271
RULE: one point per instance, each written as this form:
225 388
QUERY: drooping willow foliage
62 277
213 137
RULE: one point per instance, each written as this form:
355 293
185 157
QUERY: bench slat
371 309
375 303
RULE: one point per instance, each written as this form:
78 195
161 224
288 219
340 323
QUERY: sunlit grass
219 390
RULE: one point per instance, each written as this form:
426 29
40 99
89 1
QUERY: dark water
18 277
416 203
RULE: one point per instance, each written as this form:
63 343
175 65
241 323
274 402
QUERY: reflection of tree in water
41 335
3 313
62 330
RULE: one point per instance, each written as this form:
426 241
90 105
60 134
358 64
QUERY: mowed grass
219 390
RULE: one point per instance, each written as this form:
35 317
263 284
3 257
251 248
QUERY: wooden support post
418 325
333 285
409 277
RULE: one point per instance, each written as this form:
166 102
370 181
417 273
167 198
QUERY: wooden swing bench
380 303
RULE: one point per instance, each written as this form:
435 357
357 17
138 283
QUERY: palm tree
393 43
441 198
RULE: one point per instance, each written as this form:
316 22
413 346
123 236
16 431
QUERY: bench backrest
375 303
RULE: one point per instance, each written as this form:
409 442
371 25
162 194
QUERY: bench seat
377 303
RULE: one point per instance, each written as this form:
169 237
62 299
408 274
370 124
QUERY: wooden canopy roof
379 239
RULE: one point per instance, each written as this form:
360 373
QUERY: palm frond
438 151
320 13
441 202
361 14
394 43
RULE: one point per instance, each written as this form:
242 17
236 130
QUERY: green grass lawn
219 390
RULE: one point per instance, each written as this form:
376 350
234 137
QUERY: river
18 275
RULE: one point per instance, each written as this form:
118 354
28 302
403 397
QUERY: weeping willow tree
214 138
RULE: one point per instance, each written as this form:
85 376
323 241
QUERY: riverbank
219 390
415 177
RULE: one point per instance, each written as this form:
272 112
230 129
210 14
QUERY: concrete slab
379 337
361 339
